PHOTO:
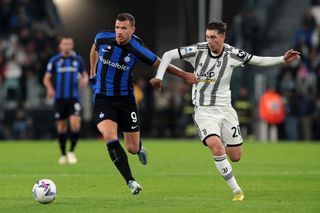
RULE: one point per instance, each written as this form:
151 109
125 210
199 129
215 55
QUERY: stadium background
28 37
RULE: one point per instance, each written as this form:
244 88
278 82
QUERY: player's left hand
190 78
291 55
155 82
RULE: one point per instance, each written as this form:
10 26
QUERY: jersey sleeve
50 65
188 53
81 64
241 56
143 53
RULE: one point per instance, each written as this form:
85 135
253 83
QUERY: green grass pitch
180 177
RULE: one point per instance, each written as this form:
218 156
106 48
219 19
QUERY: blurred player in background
214 116
112 59
61 81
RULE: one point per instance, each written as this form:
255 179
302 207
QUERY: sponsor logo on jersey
113 64
66 69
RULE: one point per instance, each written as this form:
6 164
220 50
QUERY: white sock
225 169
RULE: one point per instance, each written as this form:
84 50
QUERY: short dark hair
64 36
220 26
126 17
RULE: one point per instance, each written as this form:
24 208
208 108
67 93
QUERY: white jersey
213 73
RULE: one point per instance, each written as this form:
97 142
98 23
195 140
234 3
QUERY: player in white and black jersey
216 119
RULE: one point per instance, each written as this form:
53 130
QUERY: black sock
62 142
120 159
140 145
74 140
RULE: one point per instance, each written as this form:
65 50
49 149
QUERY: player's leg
108 129
62 128
134 146
75 123
209 123
231 137
234 153
129 121
221 161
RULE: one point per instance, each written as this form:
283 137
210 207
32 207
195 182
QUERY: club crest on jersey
127 59
60 62
75 63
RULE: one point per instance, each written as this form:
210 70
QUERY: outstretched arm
289 56
164 65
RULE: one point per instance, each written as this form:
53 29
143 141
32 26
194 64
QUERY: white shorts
220 121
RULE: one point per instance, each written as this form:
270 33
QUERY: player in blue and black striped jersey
61 81
113 57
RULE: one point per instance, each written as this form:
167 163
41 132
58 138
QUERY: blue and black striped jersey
65 71
116 63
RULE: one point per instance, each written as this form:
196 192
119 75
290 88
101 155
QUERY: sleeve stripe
247 60
179 53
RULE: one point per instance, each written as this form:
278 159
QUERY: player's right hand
155 82
50 93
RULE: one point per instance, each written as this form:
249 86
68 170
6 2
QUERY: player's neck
66 54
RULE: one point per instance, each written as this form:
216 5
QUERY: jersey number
236 131
134 117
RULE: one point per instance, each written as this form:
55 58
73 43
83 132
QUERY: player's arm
289 56
93 60
164 65
47 83
84 78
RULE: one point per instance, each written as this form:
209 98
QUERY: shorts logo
134 127
57 115
101 115
77 107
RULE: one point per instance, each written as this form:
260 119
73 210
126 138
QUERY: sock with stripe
120 159
225 169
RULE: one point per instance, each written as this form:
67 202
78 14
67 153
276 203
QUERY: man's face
124 31
66 45
215 41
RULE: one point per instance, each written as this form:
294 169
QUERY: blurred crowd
26 42
299 84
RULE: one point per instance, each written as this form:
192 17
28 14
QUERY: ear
133 29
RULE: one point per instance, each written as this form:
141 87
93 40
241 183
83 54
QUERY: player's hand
50 93
84 82
190 78
291 55
155 82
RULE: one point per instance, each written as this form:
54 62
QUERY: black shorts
64 108
120 109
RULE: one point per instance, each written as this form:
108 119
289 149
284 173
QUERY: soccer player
61 82
112 59
215 118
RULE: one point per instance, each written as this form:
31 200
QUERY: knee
235 158
107 136
131 148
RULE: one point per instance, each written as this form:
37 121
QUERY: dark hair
220 26
64 36
126 17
